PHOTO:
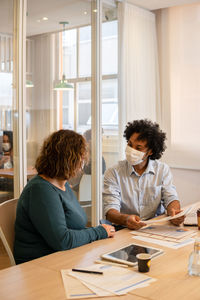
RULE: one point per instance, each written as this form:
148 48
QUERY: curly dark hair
62 154
149 132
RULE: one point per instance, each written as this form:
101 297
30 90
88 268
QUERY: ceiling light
85 12
29 84
63 85
38 20
94 10
44 18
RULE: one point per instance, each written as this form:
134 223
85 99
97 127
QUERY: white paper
184 212
173 245
115 280
166 232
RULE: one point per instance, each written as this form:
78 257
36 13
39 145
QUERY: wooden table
41 279
9 173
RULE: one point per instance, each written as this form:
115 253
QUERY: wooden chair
7 221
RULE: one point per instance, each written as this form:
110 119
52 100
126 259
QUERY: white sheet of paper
75 288
164 243
184 212
116 280
166 232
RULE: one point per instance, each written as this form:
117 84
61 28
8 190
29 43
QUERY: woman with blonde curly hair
49 217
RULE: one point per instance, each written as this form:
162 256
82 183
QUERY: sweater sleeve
48 217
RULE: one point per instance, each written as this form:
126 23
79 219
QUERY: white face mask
134 157
6 147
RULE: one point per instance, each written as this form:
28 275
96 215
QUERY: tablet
127 255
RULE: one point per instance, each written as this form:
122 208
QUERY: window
109 48
68 110
76 108
85 51
69 53
84 106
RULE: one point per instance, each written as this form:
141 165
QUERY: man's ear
149 152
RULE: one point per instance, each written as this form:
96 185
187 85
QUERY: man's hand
172 212
134 222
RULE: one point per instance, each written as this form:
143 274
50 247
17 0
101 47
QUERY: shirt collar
150 168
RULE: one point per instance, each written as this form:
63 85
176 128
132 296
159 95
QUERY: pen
87 271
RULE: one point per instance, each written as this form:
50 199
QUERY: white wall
187 183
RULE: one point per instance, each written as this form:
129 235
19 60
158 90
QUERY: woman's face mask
6 147
134 157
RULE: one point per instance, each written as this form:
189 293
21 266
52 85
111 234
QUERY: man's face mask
6 147
134 157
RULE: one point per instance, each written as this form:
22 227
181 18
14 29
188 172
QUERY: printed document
184 212
166 232
114 281
168 244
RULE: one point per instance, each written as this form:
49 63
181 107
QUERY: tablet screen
128 253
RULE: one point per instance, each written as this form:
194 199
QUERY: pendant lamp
29 84
63 85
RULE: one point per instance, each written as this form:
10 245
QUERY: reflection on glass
6 101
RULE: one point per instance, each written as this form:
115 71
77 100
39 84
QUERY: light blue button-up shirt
130 193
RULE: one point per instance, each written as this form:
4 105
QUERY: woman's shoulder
39 184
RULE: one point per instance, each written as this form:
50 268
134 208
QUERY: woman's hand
110 230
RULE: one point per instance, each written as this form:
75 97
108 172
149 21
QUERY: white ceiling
73 12
157 4
67 10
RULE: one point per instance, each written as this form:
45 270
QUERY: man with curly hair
140 187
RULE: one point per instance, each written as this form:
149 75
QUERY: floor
4 260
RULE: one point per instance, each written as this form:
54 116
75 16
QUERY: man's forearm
116 217
173 205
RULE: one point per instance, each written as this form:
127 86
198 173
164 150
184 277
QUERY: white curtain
179 52
139 95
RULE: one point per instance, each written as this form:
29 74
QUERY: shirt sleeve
48 217
169 193
111 191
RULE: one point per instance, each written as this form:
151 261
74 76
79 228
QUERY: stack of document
114 281
184 212
165 235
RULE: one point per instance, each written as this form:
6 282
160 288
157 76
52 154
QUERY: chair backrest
85 189
7 222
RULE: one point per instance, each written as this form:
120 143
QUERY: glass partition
59 43
6 101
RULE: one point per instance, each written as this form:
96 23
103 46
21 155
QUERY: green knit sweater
49 220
